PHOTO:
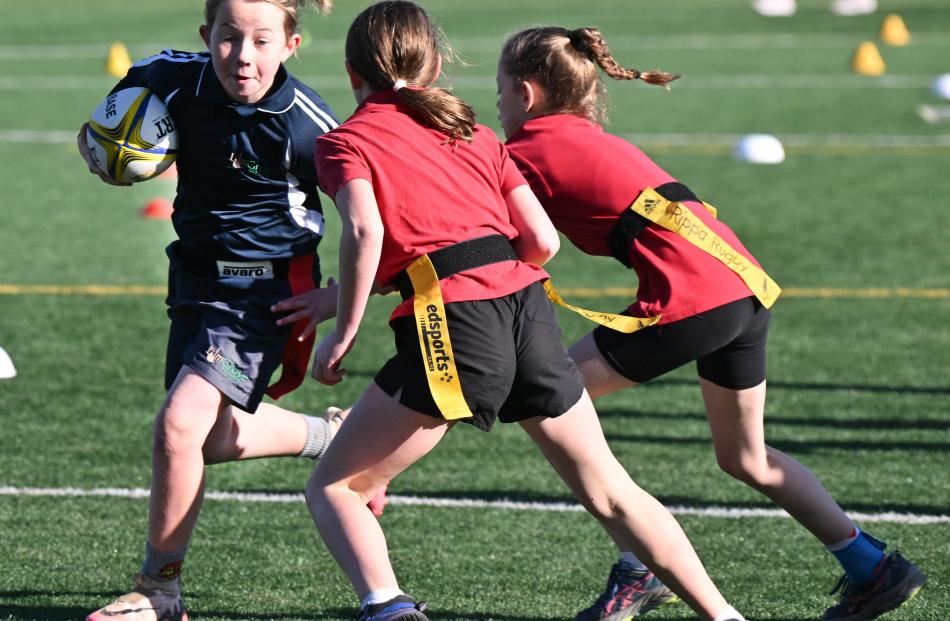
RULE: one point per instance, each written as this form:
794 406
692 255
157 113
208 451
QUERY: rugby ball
131 136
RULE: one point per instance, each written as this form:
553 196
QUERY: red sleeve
338 162
531 174
511 177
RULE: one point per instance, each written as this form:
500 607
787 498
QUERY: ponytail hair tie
398 84
578 42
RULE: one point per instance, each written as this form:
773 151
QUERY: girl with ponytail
431 205
697 302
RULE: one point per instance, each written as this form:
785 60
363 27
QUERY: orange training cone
159 208
118 60
867 60
894 31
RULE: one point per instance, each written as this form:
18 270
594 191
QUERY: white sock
729 614
319 435
379 596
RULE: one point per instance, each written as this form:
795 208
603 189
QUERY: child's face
247 44
512 110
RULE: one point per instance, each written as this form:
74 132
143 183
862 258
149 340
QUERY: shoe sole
662 602
902 593
640 609
101 616
899 595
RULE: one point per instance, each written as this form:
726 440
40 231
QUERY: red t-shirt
430 193
586 177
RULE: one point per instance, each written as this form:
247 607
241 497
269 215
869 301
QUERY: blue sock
860 558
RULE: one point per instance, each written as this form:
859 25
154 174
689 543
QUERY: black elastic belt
460 257
630 223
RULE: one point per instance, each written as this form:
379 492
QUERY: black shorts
511 361
727 343
224 330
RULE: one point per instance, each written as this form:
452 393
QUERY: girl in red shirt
432 205
599 191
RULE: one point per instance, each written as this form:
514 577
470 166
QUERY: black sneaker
896 582
399 608
629 594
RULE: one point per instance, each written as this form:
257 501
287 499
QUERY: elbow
540 250
368 233
552 247
548 245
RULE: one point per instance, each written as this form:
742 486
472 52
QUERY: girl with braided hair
696 300
432 205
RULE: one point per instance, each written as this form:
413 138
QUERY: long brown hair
564 63
290 8
395 41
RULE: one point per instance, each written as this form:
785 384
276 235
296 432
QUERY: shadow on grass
50 612
797 447
521 495
780 385
778 420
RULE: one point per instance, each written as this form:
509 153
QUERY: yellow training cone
867 60
894 31
118 60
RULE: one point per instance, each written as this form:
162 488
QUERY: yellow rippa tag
679 219
433 332
620 323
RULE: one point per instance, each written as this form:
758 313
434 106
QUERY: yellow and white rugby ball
131 135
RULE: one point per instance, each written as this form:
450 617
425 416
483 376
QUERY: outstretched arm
361 244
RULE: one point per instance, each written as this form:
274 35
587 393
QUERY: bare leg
181 427
380 439
574 443
599 377
270 432
736 420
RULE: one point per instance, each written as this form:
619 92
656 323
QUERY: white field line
718 141
465 503
739 81
701 42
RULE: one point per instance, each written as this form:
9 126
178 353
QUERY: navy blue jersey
247 186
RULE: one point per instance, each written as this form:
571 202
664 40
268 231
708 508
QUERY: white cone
760 149
774 8
7 370
941 86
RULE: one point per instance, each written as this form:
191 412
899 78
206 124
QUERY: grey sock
162 566
318 438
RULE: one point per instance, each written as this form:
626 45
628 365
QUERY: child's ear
205 34
293 44
532 96
356 80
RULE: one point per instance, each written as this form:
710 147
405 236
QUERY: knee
177 431
745 467
605 508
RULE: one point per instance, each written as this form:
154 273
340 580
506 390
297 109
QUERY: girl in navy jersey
431 205
695 296
247 199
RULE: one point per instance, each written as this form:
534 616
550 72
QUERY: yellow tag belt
675 217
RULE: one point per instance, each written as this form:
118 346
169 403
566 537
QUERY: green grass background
859 388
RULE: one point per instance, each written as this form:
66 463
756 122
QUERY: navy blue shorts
727 343
222 326
511 361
